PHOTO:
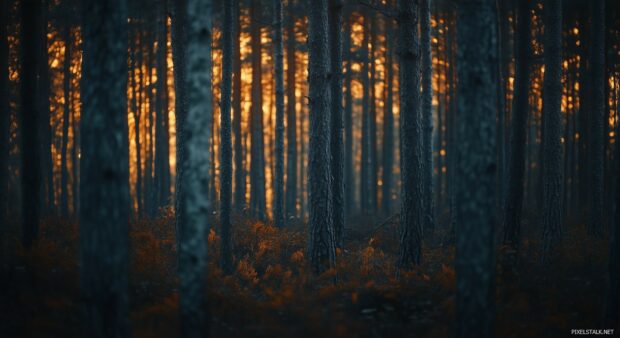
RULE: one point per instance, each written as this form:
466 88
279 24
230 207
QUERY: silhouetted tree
427 114
336 146
195 183
162 157
388 120
349 175
612 319
4 131
278 57
104 184
30 119
552 125
516 170
225 136
291 118
475 190
64 183
322 241
597 116
410 135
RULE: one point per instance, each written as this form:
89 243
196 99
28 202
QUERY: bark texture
337 154
278 57
427 115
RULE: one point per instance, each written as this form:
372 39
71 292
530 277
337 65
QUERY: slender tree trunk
410 136
322 240
388 121
64 185
104 229
349 175
372 119
225 135
291 130
195 205
612 314
30 117
552 124
516 173
45 131
476 98
136 108
597 137
162 160
238 153
278 57
366 160
4 133
257 176
337 154
427 114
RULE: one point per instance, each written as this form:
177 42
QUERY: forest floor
272 293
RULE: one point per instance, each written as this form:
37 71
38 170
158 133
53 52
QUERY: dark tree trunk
516 173
476 127
257 166
30 120
410 136
225 135
45 131
4 134
64 185
238 153
162 157
104 216
612 319
136 61
597 116
291 131
321 246
552 124
427 115
278 198
179 41
349 175
337 154
366 159
388 121
372 119
195 205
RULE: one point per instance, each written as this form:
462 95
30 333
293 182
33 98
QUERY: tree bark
516 170
4 137
46 194
322 240
337 154
240 182
225 137
162 157
257 166
278 57
427 114
388 122
291 122
104 216
476 128
349 175
411 209
195 205
552 124
64 185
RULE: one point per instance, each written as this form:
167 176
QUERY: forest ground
272 293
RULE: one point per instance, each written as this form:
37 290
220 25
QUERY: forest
309 168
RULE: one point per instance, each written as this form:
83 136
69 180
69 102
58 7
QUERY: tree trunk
45 131
597 116
30 117
64 185
349 175
257 166
4 136
136 108
278 57
162 157
225 145
366 160
516 173
475 189
552 124
612 314
321 246
104 229
410 136
291 130
372 119
337 155
195 203
388 122
238 153
427 115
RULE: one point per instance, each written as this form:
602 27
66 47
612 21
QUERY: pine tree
104 228
291 118
238 153
278 57
476 166
322 245
410 136
427 114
